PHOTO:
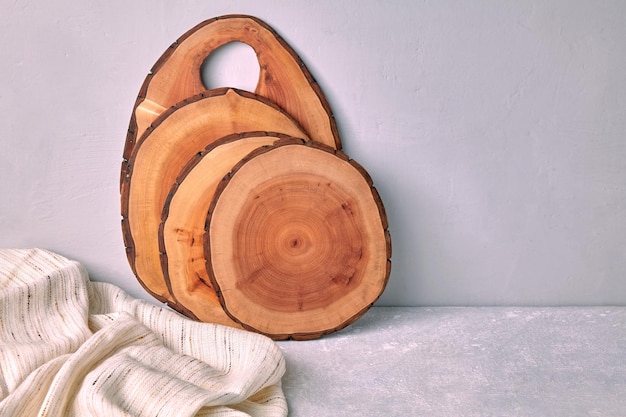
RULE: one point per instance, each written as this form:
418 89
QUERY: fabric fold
72 347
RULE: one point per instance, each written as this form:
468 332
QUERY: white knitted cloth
72 347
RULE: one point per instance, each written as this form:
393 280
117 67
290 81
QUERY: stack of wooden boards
240 208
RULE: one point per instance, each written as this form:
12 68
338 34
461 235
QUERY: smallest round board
296 241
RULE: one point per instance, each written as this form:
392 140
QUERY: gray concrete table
453 361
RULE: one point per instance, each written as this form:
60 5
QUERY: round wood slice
163 152
283 77
184 216
296 242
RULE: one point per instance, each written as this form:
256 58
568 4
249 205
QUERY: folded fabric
72 347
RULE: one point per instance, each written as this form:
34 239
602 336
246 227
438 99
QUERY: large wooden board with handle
283 78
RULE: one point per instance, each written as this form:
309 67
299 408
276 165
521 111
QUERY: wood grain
296 244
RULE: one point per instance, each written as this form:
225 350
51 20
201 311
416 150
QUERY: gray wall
495 132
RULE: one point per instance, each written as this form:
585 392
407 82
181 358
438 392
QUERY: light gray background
495 132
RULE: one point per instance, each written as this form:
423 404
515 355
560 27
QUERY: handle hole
231 65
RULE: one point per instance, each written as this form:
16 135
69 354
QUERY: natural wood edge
363 172
132 133
183 310
388 243
207 241
308 335
381 207
130 255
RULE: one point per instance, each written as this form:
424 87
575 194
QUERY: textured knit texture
72 347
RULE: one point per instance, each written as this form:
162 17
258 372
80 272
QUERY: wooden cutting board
296 241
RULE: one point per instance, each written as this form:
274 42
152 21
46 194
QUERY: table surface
463 361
